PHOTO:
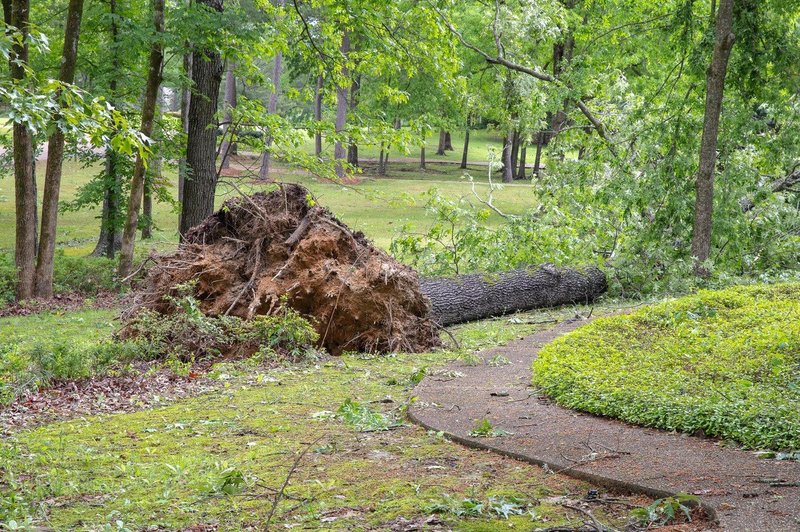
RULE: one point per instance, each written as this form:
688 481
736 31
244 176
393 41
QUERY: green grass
377 206
726 363
217 458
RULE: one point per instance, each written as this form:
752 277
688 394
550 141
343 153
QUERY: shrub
726 363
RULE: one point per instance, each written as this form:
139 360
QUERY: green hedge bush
726 363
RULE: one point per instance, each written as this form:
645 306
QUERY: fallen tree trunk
474 297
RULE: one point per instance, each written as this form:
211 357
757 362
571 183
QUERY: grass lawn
216 459
725 363
376 206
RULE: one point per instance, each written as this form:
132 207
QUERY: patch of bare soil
260 252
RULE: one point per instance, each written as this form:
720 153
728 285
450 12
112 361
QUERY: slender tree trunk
715 88
339 152
514 150
318 115
440 148
228 147
352 148
149 104
381 170
508 169
521 174
465 154
272 108
24 176
110 240
422 155
186 99
152 177
201 146
448 141
538 159
55 159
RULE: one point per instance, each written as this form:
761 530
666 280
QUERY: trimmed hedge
726 363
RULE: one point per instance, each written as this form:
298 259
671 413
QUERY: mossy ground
725 363
217 459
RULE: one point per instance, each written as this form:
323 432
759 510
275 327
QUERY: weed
664 511
484 429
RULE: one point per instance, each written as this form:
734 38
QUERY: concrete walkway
745 493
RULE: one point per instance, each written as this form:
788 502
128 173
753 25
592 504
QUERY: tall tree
715 88
24 176
342 90
149 104
55 158
201 146
272 106
229 103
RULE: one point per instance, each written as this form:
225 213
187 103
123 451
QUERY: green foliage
82 275
363 419
483 428
726 363
471 507
664 511
187 333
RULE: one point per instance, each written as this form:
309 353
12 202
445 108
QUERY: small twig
280 493
600 527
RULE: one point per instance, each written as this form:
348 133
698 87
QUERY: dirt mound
257 250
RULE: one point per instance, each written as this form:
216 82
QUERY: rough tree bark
342 89
228 147
55 159
24 177
715 88
474 297
149 104
201 145
448 141
318 115
514 151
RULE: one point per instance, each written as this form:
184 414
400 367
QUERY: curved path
747 494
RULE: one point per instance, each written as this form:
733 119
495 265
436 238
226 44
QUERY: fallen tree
260 252
473 297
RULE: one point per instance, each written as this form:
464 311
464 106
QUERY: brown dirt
61 302
259 249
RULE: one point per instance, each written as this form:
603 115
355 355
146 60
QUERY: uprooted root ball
262 251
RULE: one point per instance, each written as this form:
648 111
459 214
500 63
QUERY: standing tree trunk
24 176
152 177
508 169
715 88
342 90
442 137
228 147
109 241
186 99
272 108
201 145
149 103
352 148
318 115
521 174
465 153
538 159
55 159
514 151
448 141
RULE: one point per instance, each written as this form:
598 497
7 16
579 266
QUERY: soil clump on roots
263 251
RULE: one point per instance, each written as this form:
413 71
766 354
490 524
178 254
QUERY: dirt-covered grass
722 363
217 459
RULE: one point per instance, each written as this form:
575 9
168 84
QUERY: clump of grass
726 363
